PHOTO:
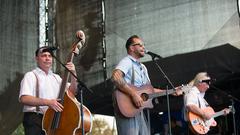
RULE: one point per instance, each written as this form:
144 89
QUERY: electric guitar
128 108
200 126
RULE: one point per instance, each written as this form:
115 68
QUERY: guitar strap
199 104
145 73
206 103
133 75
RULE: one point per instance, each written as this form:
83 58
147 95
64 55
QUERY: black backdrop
222 63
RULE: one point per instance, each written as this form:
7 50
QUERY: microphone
81 39
153 55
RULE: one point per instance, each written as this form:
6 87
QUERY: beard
141 54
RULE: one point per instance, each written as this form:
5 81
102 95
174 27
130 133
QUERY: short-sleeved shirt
194 97
129 64
49 87
135 125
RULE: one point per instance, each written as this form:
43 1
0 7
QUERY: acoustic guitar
128 108
200 126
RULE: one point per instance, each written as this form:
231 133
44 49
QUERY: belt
33 113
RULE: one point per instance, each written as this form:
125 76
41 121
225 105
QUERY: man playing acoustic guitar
128 76
197 111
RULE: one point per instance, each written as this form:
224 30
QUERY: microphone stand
233 116
233 109
81 86
171 84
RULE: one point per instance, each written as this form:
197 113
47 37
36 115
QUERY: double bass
67 122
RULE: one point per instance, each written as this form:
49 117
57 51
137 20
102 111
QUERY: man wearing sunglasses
194 100
197 111
128 76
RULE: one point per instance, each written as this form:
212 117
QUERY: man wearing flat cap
39 90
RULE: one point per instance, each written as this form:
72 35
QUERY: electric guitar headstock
228 110
186 88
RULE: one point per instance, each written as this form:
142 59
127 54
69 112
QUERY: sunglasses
140 44
206 81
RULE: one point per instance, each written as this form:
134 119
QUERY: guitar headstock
228 110
186 88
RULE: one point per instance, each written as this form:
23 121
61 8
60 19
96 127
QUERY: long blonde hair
198 78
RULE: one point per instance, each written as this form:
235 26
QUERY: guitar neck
65 80
219 113
159 94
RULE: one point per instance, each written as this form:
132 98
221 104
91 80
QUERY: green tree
19 130
101 127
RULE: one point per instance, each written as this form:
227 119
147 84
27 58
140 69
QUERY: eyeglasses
140 44
206 81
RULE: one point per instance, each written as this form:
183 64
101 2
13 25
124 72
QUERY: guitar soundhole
144 96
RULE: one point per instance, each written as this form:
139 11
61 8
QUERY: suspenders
37 89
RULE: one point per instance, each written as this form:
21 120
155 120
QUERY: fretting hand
71 67
178 91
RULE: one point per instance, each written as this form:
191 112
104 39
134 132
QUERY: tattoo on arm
117 78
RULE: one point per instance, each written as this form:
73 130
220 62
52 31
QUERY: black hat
43 49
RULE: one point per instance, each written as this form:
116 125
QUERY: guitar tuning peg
156 101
